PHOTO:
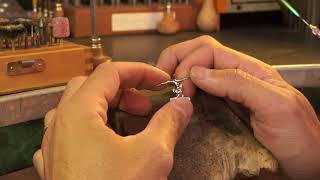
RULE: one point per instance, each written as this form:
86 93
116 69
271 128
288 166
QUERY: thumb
236 85
39 163
169 122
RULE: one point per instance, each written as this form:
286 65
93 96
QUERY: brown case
36 68
80 18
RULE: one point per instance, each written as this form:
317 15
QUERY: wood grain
81 24
62 63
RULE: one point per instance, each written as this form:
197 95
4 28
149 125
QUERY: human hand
77 144
281 117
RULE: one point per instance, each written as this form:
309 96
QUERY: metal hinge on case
28 66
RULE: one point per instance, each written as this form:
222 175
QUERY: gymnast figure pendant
177 90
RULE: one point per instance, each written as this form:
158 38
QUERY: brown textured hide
216 144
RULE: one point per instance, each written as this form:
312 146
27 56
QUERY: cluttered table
274 45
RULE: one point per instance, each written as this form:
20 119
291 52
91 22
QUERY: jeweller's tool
34 6
178 86
61 28
315 30
96 45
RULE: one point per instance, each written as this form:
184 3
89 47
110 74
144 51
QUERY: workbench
274 45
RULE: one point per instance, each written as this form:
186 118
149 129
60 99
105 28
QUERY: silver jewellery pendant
177 90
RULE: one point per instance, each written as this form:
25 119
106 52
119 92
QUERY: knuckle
104 66
76 80
168 50
176 117
290 103
50 113
208 40
236 75
166 160
165 155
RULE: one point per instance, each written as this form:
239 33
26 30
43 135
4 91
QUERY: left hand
77 144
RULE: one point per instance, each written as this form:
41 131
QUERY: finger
106 80
48 118
39 163
236 85
71 88
183 70
133 102
171 57
169 122
227 58
210 53
103 84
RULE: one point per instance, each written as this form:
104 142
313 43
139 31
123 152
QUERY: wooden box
36 68
186 14
127 19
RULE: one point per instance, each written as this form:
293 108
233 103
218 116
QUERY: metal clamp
25 67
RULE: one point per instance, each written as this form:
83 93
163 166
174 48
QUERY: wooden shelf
80 18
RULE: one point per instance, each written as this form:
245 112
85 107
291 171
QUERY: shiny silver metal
315 30
177 90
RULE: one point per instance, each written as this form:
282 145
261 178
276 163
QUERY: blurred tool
34 6
10 32
59 10
96 46
315 30
61 28
40 29
77 3
169 23
60 24
127 3
28 24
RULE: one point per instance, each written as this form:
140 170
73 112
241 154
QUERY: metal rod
93 5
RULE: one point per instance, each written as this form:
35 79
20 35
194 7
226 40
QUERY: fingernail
182 75
199 72
183 104
187 98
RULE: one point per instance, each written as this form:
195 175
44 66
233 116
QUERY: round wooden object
169 24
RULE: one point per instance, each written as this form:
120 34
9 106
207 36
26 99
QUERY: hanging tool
315 30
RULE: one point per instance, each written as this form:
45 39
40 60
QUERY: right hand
281 117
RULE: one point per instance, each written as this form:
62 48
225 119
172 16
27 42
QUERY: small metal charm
177 90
